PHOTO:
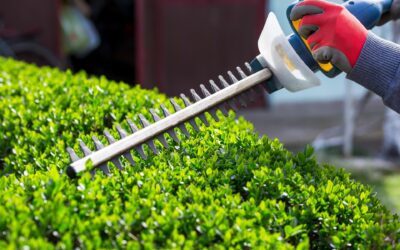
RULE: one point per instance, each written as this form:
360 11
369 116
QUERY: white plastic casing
288 68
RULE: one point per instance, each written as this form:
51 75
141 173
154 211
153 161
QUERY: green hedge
223 188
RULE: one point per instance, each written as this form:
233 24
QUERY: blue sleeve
378 69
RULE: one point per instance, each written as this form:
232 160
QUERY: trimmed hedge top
223 188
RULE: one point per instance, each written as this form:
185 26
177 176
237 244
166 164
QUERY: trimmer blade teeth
241 72
232 77
225 84
223 110
172 133
143 121
215 88
182 127
112 140
214 115
165 110
204 120
232 105
197 98
242 97
122 133
129 157
204 90
248 67
74 157
85 149
140 150
132 126
97 143
153 147
194 125
161 138
146 123
185 100
104 168
251 94
155 116
117 163
99 146
206 93
184 130
176 105
163 141
192 122
109 137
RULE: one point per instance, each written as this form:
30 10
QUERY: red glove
333 33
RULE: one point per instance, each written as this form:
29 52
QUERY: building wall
41 16
182 43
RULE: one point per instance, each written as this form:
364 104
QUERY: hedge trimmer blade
223 98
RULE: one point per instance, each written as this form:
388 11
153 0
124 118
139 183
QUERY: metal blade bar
168 123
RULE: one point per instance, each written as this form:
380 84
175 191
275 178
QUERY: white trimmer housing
289 69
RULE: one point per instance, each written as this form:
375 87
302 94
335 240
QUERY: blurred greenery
385 184
381 175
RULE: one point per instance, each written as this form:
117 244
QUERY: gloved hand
393 14
333 33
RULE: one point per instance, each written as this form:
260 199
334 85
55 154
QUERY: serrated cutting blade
208 103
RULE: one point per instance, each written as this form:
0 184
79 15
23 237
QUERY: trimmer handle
368 12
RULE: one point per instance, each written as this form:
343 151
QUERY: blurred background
175 45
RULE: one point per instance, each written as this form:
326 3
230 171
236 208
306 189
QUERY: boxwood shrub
223 188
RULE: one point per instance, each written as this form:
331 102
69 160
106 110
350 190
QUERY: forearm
378 69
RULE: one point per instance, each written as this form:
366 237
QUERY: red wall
183 43
43 15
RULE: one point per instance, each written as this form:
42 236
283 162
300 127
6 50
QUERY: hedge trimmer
284 62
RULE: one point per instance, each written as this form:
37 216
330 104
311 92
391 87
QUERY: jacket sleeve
378 69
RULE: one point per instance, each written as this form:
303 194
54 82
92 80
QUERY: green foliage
223 188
